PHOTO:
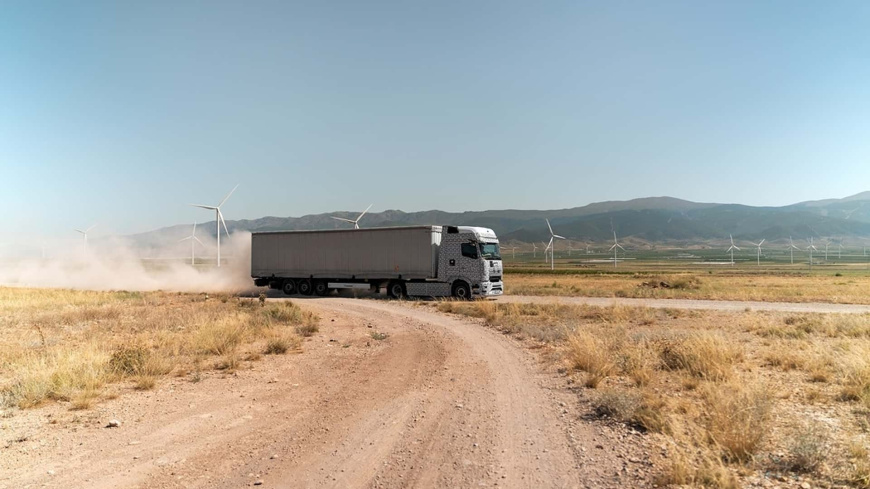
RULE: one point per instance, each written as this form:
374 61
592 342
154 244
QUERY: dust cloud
119 265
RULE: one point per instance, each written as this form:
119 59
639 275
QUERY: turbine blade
185 239
343 219
557 236
221 216
209 207
228 195
80 231
548 226
89 229
614 246
364 212
197 240
620 247
762 241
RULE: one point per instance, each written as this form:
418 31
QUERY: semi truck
409 261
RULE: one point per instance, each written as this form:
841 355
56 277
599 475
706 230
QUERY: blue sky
121 113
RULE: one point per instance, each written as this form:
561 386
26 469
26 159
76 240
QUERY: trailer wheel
289 287
396 289
321 288
304 286
461 291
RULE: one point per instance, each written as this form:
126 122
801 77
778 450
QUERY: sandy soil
441 402
795 307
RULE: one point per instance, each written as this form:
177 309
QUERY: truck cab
470 257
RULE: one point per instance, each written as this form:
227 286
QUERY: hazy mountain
653 219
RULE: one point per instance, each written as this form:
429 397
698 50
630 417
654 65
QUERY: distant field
842 281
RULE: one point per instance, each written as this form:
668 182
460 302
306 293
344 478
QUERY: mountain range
644 220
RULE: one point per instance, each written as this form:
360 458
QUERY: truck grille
495 278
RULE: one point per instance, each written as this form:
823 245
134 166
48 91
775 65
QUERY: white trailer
434 261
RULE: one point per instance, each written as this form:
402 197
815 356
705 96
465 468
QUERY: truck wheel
396 289
304 286
289 287
321 288
462 291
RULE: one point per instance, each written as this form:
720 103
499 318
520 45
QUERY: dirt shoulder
430 401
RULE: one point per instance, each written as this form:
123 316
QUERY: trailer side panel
406 252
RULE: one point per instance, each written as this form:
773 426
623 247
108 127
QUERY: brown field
729 397
848 289
79 347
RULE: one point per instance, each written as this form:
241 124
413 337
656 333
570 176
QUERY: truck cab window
469 250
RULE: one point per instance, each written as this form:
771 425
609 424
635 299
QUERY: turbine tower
811 248
85 236
193 240
614 247
552 244
791 248
219 219
355 222
732 248
758 245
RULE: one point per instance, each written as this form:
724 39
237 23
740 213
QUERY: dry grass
696 285
737 418
723 390
67 346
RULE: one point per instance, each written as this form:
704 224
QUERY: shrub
705 355
307 330
737 418
590 354
808 448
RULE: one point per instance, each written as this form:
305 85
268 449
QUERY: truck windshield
489 251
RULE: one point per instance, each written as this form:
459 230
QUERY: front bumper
488 289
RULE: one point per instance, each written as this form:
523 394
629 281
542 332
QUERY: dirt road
796 307
440 402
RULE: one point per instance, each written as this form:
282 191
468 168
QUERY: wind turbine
546 249
614 247
758 257
732 248
827 243
355 222
791 248
85 236
219 219
534 250
193 240
840 250
811 248
551 245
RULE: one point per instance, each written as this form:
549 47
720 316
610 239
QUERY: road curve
430 401
796 307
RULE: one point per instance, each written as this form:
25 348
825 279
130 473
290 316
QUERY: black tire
462 291
289 287
303 285
396 289
321 288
